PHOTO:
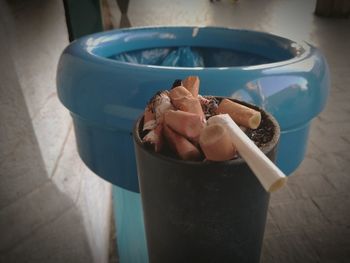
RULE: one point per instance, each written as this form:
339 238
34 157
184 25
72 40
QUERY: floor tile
19 220
296 215
21 172
51 244
291 248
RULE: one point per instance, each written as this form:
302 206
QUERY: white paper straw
269 175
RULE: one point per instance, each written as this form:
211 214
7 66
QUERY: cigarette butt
185 123
161 103
269 175
203 101
149 119
241 114
191 83
183 100
216 143
155 138
184 149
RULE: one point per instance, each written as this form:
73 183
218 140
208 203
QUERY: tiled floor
309 220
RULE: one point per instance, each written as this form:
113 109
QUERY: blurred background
53 209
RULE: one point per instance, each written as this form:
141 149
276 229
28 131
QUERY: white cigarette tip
255 120
277 184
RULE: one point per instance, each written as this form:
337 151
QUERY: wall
52 208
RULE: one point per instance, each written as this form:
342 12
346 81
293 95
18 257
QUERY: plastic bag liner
192 57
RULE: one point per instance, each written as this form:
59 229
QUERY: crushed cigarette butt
184 149
191 83
187 124
216 143
183 100
241 114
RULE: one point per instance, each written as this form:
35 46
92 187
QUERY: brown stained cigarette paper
191 83
216 143
155 138
185 123
149 119
184 149
203 101
183 100
241 114
161 103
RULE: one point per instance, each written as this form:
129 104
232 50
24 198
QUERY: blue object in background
193 57
176 57
106 79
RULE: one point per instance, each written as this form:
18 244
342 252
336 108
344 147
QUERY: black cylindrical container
202 211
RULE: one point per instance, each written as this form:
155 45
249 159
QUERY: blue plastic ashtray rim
91 45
